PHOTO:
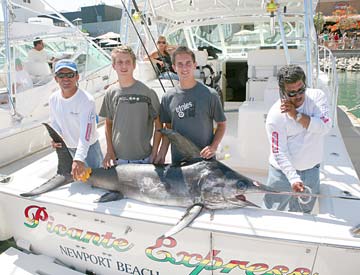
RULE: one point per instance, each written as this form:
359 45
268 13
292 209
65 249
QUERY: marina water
349 91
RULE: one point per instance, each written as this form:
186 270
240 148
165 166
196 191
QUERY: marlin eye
240 184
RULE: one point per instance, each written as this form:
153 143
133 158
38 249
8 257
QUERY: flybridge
186 10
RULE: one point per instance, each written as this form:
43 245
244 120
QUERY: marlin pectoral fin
191 214
51 184
110 196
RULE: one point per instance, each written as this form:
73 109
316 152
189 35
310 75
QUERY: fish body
209 182
195 183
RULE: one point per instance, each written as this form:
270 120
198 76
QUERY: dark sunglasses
295 93
161 42
67 75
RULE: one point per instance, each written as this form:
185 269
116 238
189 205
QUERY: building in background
327 7
96 20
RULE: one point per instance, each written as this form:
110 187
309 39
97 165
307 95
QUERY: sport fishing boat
247 41
24 101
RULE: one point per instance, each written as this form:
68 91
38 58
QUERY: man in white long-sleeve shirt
296 126
73 115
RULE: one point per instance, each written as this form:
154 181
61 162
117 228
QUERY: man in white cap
38 53
73 115
39 62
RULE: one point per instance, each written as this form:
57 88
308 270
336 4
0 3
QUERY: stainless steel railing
329 68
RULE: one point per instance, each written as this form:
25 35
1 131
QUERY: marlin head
224 188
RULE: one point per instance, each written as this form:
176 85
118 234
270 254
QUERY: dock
350 130
346 53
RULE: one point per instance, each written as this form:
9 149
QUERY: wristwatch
298 117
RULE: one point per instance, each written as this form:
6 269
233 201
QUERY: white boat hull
122 237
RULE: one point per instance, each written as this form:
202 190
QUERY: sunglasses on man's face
67 75
161 42
295 93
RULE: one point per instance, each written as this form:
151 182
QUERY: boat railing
330 70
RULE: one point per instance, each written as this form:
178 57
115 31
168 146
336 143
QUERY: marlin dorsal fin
187 149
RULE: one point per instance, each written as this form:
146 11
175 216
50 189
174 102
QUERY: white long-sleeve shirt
292 146
75 120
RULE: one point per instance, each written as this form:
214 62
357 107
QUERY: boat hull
113 239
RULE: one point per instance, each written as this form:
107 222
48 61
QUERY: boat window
96 59
239 37
178 38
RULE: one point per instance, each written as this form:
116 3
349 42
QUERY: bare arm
110 157
210 150
160 158
156 139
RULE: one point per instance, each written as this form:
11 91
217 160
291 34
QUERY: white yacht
248 41
25 105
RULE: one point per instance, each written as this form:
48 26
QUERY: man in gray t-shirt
131 110
191 109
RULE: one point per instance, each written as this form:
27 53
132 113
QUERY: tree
319 21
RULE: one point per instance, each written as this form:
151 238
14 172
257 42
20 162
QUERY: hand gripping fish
195 184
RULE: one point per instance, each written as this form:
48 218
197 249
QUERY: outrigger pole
5 7
142 42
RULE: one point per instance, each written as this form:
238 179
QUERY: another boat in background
23 110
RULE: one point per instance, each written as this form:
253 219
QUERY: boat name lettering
34 214
106 262
161 252
37 214
86 257
129 269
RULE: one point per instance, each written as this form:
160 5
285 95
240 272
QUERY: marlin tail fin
64 158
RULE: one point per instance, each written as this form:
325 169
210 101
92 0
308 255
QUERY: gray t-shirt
132 110
192 113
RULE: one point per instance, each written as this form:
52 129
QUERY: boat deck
242 227
349 127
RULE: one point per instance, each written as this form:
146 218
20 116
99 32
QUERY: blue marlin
195 184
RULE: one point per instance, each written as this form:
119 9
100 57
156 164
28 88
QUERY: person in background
22 77
38 54
296 125
162 58
132 111
326 38
73 116
191 109
344 38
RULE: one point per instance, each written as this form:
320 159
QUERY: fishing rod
142 42
152 38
